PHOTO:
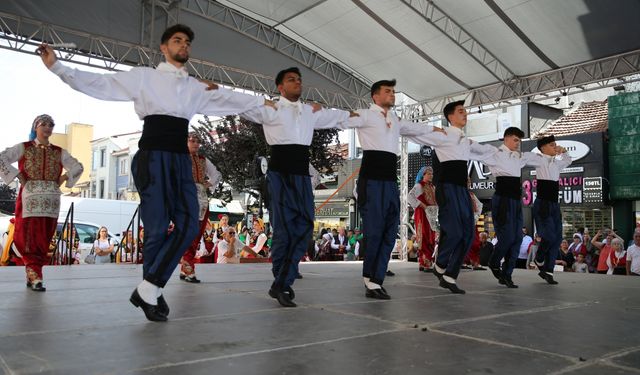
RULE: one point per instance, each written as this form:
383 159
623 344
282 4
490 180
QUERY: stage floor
84 324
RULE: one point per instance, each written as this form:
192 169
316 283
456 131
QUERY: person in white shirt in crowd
258 239
633 255
523 253
230 247
166 98
340 244
546 210
580 266
102 247
289 132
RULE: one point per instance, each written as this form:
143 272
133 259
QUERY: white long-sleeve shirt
378 132
551 166
341 239
166 90
12 154
454 145
294 122
505 162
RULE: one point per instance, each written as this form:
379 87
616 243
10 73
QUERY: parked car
87 234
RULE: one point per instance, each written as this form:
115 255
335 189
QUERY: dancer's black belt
164 133
453 172
508 186
290 159
548 190
379 165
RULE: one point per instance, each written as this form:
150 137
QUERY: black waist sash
453 172
164 133
290 159
548 190
379 165
508 186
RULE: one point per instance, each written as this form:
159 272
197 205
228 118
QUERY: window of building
103 157
101 189
124 167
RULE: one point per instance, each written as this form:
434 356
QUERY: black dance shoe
150 311
451 286
36 286
191 279
508 283
285 298
390 273
548 278
163 308
376 293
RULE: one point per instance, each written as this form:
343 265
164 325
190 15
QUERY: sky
29 89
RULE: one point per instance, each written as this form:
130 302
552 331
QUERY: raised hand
47 55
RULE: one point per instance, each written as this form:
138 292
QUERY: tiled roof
590 117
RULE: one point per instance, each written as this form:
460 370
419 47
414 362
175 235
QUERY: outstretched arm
120 86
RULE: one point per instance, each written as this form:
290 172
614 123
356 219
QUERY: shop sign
333 210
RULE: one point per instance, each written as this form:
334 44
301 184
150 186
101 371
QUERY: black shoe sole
453 288
154 316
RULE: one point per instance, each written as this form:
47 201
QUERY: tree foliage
7 199
234 144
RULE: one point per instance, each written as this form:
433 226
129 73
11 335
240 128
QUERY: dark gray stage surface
84 324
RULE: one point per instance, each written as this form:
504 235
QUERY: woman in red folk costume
472 259
205 175
39 171
422 196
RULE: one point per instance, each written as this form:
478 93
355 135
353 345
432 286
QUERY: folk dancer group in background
170 178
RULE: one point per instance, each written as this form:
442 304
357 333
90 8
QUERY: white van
113 214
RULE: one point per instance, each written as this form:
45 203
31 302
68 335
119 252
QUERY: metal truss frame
404 194
454 31
592 75
22 35
269 36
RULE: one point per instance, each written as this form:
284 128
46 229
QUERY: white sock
366 280
439 269
160 290
449 279
550 273
148 292
372 285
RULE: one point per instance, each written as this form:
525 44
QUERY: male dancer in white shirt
289 132
166 98
506 206
546 209
455 210
379 131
